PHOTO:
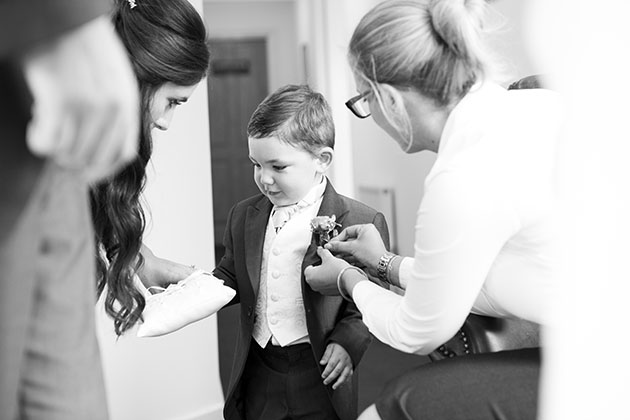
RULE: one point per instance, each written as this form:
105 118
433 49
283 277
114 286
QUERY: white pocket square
190 300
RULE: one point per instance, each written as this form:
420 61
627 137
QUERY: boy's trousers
285 383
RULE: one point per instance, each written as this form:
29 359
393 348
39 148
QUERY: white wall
323 34
273 20
175 377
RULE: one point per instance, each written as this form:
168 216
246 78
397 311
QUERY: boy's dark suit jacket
328 318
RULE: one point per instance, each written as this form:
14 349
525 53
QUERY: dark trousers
491 386
285 383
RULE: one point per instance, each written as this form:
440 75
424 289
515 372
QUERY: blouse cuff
404 271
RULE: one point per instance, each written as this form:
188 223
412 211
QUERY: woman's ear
324 158
391 98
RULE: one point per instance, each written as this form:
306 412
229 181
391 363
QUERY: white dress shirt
485 236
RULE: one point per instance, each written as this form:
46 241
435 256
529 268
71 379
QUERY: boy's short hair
297 115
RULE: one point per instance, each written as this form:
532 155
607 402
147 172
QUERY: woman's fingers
323 253
323 278
338 248
348 233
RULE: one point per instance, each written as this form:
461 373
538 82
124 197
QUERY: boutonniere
324 227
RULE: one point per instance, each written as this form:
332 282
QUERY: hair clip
132 3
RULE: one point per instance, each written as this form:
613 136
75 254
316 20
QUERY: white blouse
485 234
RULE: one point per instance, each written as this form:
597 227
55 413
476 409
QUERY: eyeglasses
359 105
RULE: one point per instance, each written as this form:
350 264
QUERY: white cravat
281 214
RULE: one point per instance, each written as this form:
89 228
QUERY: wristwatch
383 265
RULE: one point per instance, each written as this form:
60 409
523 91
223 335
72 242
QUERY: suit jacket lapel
255 228
331 204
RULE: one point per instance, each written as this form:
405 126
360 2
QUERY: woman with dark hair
167 43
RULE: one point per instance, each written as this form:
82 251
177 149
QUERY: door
237 84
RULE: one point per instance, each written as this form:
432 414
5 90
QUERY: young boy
296 349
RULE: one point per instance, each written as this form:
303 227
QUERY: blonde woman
485 232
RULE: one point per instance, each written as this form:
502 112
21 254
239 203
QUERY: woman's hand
159 272
360 245
323 278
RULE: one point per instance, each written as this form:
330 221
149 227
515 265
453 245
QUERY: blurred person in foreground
69 117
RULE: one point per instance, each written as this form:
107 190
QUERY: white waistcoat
280 311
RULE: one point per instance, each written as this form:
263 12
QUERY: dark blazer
328 318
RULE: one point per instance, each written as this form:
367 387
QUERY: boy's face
284 173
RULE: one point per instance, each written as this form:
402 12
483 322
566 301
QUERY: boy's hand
338 365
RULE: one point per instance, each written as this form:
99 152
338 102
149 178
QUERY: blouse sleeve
461 226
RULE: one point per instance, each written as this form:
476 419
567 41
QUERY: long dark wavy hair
166 41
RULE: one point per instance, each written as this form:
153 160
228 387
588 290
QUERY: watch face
383 263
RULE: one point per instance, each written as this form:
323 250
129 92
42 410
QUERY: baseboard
210 413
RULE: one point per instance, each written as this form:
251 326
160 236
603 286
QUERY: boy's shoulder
357 205
357 211
254 200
